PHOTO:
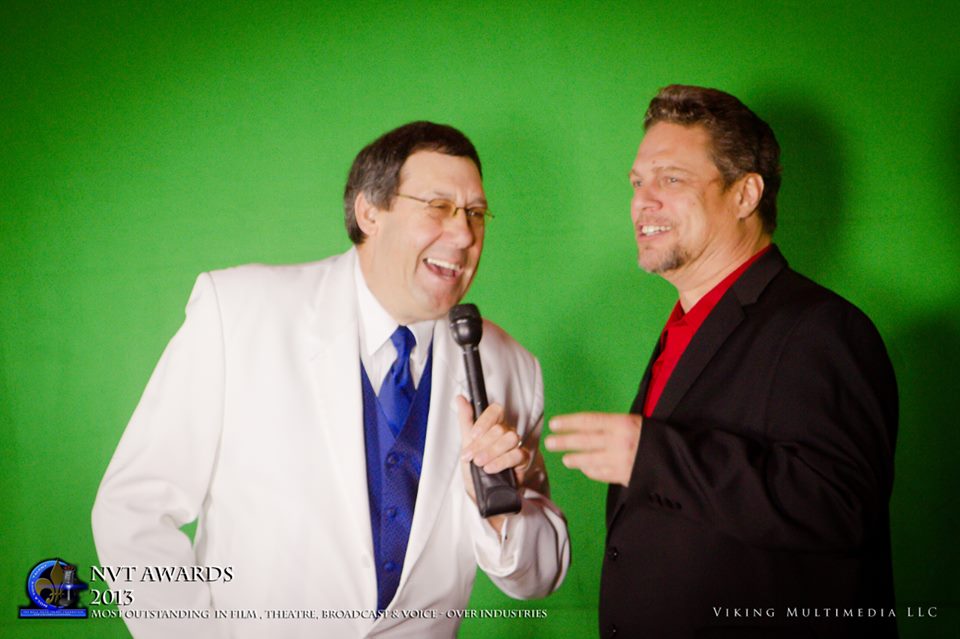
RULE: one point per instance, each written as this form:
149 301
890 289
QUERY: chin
435 310
647 264
660 263
441 303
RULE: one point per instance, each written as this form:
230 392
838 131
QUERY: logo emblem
54 591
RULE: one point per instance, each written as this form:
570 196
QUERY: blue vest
393 474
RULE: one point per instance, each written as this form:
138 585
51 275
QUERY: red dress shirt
679 331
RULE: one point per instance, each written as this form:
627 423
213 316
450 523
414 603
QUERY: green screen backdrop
143 143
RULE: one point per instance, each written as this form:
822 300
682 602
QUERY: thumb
465 419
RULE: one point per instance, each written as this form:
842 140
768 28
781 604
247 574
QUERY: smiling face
689 227
416 266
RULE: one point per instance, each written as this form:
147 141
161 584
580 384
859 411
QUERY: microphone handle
496 493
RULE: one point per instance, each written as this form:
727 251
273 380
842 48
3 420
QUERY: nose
457 227
645 200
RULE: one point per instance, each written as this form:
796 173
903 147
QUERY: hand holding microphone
491 442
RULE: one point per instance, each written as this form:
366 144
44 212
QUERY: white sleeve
159 474
531 555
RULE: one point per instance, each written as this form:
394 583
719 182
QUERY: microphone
497 493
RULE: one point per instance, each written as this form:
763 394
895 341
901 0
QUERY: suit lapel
334 360
441 454
716 329
637 407
719 325
616 492
721 322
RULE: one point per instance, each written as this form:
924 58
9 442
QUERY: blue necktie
397 390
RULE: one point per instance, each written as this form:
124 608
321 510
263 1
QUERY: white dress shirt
377 352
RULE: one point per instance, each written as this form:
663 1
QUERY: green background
144 143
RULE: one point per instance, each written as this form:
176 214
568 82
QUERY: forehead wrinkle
673 167
443 181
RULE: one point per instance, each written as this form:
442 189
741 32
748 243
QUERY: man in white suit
272 419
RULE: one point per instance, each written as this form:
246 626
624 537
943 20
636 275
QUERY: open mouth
650 230
441 268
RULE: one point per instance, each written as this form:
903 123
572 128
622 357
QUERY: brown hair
742 142
376 169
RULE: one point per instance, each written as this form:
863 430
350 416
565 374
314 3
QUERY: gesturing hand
602 445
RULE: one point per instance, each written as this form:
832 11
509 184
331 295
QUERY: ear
366 215
748 194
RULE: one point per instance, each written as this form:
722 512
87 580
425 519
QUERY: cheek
413 254
635 207
420 238
475 250
692 212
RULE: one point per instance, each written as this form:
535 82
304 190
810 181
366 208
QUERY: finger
515 458
593 466
484 431
580 461
488 418
465 419
575 441
582 422
493 445
498 439
602 466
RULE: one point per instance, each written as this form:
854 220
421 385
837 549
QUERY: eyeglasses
441 209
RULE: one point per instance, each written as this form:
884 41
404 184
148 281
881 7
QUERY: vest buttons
393 459
391 513
390 566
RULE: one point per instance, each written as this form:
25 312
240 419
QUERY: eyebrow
439 195
661 169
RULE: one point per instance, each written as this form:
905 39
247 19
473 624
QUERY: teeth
446 265
650 229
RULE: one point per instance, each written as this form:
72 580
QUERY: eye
636 183
441 207
477 217
671 179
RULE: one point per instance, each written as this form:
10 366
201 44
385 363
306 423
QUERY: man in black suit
749 486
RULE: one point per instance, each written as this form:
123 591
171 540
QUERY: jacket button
613 553
612 631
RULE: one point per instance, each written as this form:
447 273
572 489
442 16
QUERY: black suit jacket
758 502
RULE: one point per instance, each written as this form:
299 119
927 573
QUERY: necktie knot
397 391
404 341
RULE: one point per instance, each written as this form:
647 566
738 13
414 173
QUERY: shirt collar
698 314
377 325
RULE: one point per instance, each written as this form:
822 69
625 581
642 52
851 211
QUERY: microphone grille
466 324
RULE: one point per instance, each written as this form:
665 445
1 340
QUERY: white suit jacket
253 422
